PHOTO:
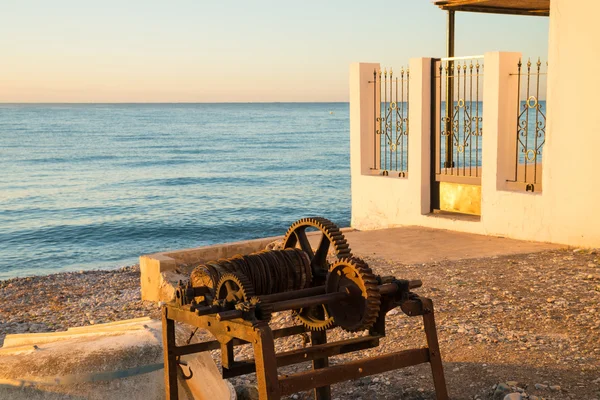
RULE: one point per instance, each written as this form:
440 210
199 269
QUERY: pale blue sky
204 51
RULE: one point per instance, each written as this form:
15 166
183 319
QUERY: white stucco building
503 163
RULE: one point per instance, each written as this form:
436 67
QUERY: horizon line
176 102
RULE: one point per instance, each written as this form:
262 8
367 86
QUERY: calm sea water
95 186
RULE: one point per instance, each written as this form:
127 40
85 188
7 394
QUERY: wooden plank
352 370
306 354
214 344
170 362
516 7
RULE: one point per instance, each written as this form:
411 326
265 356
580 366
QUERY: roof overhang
515 7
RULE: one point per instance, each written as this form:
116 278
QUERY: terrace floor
414 244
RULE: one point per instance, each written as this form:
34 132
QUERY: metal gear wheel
331 237
234 288
317 318
360 309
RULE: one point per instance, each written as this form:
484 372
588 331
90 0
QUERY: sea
94 186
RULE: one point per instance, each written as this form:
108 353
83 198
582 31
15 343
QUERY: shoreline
69 272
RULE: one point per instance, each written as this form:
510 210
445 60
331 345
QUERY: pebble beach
59 301
526 324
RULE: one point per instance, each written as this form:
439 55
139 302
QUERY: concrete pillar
152 268
362 117
500 105
419 133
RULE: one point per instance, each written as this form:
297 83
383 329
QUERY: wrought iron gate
457 109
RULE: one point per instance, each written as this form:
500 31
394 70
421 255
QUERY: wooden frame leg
266 365
320 337
437 370
170 361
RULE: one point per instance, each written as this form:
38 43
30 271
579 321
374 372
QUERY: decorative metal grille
531 126
459 139
391 121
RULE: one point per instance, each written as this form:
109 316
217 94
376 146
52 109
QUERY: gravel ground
60 301
527 324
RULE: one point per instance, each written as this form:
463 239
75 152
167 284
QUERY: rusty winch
234 299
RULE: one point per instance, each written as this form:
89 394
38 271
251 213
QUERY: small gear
360 309
315 318
207 275
234 288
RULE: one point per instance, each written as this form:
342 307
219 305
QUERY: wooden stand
271 386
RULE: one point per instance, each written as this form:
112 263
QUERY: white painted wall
568 209
571 154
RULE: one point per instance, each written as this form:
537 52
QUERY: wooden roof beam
495 7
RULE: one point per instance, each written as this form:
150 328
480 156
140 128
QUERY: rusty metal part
331 236
240 294
234 288
264 311
271 385
314 291
187 294
359 310
269 272
317 318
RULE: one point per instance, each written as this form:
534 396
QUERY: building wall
567 211
573 142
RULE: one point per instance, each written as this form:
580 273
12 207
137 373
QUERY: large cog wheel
234 288
317 318
331 236
360 309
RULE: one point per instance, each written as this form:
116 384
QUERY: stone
555 388
512 383
501 391
247 392
513 396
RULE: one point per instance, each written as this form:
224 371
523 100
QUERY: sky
228 50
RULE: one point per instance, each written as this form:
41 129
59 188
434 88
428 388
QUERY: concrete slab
415 244
117 360
110 328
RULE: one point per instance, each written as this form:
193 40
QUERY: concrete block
102 362
151 267
206 382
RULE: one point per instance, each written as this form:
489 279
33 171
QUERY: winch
234 300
